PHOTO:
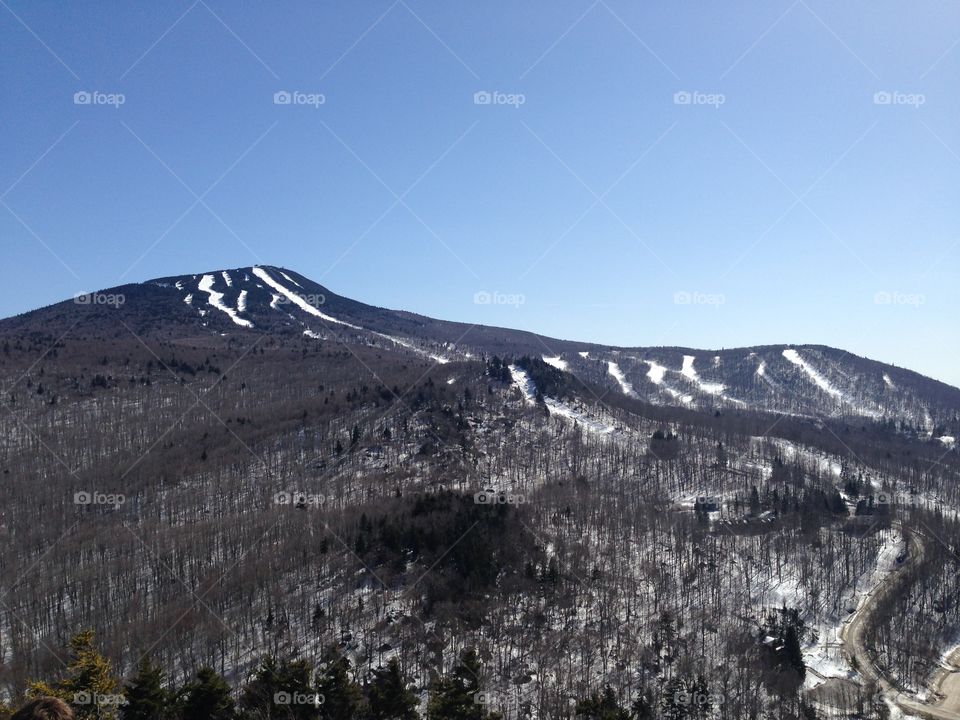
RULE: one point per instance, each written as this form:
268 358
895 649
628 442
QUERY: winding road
946 681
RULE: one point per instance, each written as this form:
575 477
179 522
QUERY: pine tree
146 697
388 696
341 696
207 698
601 706
279 691
455 697
90 686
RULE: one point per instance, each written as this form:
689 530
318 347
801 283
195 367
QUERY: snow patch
189 299
555 362
242 301
690 373
819 380
290 279
656 372
889 382
227 279
297 300
584 354
216 301
621 379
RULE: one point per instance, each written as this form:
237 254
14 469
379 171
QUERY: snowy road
947 682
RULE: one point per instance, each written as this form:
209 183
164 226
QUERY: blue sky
700 174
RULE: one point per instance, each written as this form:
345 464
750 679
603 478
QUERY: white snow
290 279
189 299
762 368
312 334
819 380
555 362
242 301
410 346
889 382
227 279
524 382
690 373
584 353
618 375
948 440
557 407
273 302
178 285
216 301
656 372
297 300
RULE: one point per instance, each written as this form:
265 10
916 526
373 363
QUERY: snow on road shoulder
215 300
297 300
825 657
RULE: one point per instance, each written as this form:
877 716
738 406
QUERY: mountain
811 380
236 469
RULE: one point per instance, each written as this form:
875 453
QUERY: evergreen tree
90 686
207 698
146 697
455 697
388 696
341 696
642 708
280 691
601 706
